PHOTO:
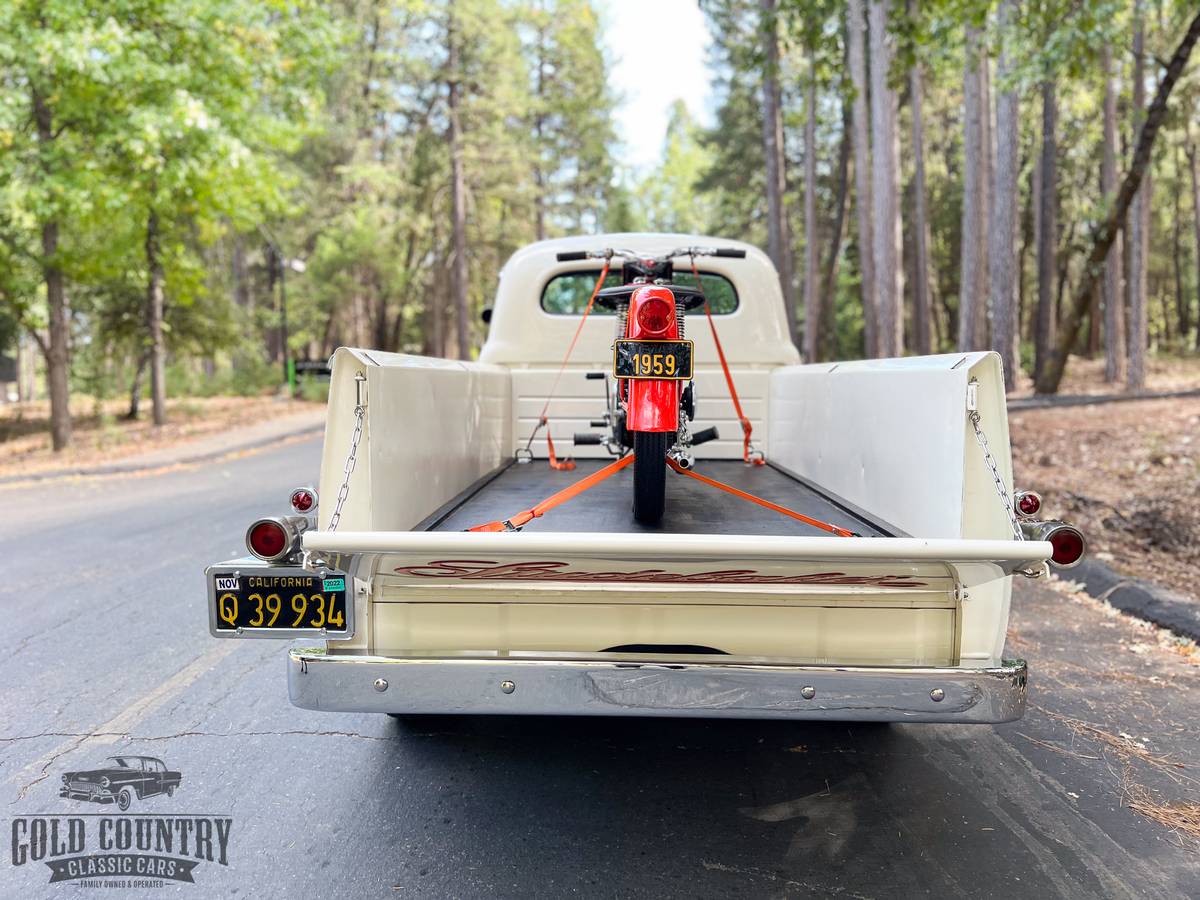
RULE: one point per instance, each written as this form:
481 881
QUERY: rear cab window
567 294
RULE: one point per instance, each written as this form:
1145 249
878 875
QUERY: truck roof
523 333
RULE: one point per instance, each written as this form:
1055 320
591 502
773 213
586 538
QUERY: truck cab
728 606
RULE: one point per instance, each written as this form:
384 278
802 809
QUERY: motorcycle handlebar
577 255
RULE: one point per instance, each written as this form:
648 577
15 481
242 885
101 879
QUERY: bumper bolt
381 684
937 695
507 686
808 692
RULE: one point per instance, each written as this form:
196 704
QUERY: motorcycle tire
650 475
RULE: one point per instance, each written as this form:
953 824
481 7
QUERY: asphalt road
108 652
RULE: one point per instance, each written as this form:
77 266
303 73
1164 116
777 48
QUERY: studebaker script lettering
490 570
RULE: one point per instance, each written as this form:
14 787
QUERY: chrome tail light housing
1068 542
275 538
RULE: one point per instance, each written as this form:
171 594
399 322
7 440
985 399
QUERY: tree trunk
828 339
1135 377
885 183
58 354
863 207
1194 166
458 191
1181 300
1114 276
779 245
539 121
1003 230
974 279
154 322
922 304
1047 265
135 386
812 311
241 283
1106 233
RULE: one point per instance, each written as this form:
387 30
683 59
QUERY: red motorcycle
654 400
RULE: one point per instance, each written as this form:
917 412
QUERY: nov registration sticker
277 601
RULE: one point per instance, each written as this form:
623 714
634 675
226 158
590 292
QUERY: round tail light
654 315
270 539
304 500
1068 546
1029 503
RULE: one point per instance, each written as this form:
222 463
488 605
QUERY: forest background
195 193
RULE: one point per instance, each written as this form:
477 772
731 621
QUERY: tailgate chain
360 413
981 439
1001 490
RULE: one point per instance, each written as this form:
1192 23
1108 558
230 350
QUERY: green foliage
258 128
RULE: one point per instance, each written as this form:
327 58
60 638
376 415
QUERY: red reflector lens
1029 504
1068 546
303 501
267 539
654 315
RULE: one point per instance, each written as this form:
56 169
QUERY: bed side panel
432 428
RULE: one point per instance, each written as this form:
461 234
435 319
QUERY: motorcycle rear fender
652 405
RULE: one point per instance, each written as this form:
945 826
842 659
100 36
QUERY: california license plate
277 601
669 360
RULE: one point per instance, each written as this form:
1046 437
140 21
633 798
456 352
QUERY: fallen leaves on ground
1128 474
102 435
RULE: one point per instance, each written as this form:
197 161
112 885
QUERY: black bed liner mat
692 507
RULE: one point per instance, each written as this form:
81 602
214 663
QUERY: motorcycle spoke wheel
650 475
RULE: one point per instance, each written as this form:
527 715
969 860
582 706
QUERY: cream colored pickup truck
724 608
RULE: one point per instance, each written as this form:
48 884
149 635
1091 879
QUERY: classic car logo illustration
121 848
121 780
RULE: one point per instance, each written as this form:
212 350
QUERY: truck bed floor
692 507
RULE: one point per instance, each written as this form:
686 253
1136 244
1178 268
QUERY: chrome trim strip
623 686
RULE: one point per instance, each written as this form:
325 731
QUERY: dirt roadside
1128 474
102 437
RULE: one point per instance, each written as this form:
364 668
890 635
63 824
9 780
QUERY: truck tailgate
725 564
824 600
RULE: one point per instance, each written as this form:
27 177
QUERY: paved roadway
108 652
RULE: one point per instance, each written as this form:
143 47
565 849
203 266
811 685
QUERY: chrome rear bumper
626 685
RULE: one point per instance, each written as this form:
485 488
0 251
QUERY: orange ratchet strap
749 455
555 463
567 493
729 489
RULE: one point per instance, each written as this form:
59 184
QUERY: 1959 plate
257 600
659 360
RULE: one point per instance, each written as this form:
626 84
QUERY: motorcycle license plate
669 360
277 601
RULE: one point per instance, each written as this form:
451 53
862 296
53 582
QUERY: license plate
277 601
667 360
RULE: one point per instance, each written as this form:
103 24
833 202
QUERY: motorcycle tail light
655 315
304 500
273 539
1029 503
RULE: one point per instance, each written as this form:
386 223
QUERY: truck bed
692 507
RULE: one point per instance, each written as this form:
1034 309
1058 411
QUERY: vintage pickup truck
726 607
